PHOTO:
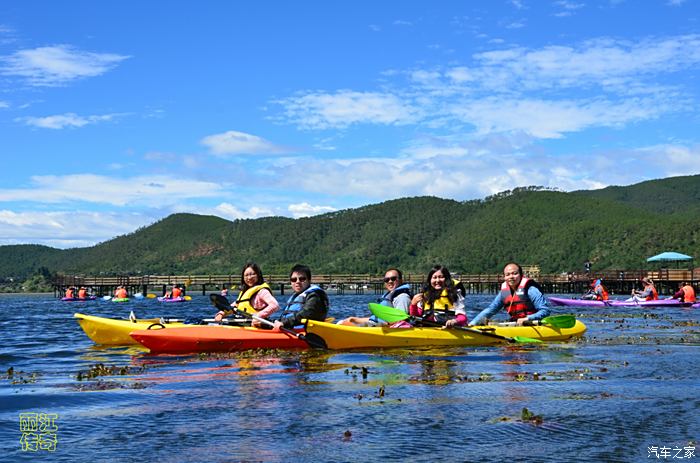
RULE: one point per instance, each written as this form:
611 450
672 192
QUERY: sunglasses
388 279
295 279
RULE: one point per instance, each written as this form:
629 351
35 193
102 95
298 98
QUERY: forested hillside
615 227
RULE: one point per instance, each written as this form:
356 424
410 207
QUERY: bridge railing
366 278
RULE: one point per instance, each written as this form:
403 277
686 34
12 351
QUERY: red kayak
214 338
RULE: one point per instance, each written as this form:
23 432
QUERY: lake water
631 384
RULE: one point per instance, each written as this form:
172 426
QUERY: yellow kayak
115 331
353 337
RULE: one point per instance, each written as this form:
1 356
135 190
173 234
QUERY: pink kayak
619 303
74 299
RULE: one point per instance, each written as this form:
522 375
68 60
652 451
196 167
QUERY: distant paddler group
81 296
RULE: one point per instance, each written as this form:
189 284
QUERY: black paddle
221 303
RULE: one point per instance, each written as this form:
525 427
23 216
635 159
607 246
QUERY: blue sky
114 115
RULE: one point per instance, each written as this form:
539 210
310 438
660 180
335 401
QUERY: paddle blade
150 296
220 302
559 321
524 339
188 298
389 314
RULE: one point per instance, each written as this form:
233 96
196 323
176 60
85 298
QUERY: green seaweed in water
529 417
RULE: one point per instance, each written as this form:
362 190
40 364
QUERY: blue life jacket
388 298
296 301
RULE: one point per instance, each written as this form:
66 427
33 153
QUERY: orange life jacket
603 291
69 293
177 292
121 294
688 293
82 293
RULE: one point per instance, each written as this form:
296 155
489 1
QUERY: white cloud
62 121
56 65
66 228
516 24
240 143
231 212
567 7
4 104
152 191
599 62
551 119
608 83
451 170
305 210
344 108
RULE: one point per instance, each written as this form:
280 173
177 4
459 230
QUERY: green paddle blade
526 339
388 314
559 321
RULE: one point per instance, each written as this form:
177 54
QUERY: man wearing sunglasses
308 301
397 295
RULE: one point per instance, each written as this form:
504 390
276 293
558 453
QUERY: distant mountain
616 227
675 194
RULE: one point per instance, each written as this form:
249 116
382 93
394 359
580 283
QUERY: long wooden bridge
617 281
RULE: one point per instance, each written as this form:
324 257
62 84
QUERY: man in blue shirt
520 296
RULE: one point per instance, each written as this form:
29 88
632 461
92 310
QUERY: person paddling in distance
685 293
82 293
309 301
597 292
520 296
70 293
398 295
255 296
174 293
441 300
121 293
648 293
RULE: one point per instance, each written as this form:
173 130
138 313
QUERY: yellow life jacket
442 304
244 301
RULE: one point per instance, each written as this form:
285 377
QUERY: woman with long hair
255 296
442 299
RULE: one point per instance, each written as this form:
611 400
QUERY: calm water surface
630 384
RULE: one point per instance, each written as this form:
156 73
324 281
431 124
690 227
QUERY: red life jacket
177 292
69 293
518 304
688 293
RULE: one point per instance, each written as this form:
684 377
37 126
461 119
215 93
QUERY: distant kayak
75 299
172 299
618 303
120 299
